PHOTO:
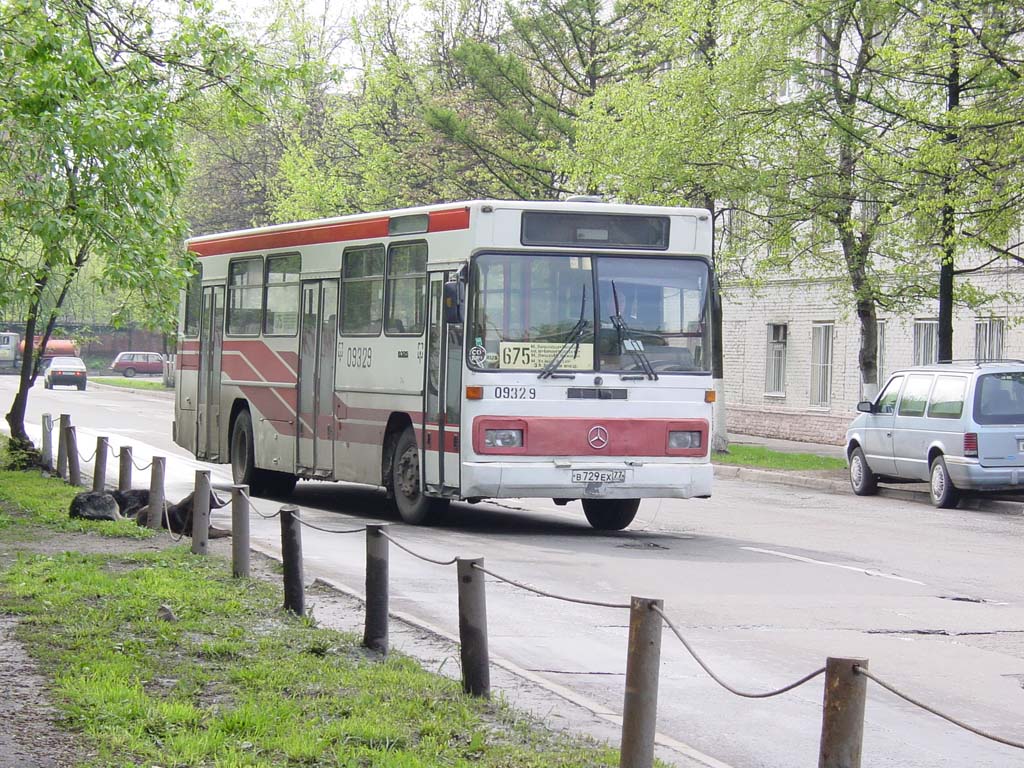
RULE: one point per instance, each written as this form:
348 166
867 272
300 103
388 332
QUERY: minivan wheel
944 494
863 481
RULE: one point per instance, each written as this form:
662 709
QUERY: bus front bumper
585 480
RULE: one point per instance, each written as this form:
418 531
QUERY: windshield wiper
572 339
634 346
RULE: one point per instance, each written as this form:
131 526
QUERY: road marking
812 561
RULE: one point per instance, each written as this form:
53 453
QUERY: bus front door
318 336
211 340
442 397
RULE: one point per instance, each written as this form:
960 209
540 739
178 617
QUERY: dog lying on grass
134 504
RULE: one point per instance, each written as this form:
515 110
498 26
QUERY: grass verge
765 458
233 680
132 383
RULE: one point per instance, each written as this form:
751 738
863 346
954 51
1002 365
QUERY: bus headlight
683 440
503 438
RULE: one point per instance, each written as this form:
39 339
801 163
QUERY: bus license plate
599 475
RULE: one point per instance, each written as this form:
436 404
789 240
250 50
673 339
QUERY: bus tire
243 460
610 514
414 507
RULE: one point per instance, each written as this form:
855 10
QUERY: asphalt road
765 581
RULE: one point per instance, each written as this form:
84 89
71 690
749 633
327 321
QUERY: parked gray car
958 426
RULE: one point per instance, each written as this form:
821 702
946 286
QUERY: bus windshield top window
595 230
526 308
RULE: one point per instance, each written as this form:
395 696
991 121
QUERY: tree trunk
867 357
948 265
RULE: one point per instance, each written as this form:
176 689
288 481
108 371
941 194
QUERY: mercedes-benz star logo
597 437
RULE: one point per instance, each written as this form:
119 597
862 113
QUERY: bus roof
441 217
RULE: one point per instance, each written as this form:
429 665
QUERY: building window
926 342
988 339
245 297
821 364
775 370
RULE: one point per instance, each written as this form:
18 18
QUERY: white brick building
791 351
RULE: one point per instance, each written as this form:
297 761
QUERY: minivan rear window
947 400
999 398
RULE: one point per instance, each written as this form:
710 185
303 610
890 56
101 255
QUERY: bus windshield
593 312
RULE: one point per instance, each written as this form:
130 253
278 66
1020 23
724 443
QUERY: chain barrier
948 718
176 538
416 554
528 588
140 467
717 679
85 460
327 530
255 509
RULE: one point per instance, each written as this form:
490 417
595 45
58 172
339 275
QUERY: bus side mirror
453 302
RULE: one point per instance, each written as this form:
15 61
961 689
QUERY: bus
464 351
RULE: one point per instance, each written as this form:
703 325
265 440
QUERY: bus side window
245 297
362 291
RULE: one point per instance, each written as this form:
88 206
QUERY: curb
976 503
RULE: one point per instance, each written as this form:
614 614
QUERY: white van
9 349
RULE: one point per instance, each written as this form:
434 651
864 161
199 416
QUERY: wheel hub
408 475
856 470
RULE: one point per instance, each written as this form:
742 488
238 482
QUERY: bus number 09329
359 357
515 393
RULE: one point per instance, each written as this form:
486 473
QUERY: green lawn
136 382
233 681
764 458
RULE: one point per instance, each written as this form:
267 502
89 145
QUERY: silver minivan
957 426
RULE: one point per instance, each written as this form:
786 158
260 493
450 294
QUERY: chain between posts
416 554
255 509
717 679
948 718
328 530
528 588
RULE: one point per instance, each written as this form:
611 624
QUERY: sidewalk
836 481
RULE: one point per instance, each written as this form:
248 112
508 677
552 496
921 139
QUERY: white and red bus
488 349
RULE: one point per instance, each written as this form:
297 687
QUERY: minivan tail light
971 444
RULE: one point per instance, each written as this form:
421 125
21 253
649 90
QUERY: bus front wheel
610 514
412 505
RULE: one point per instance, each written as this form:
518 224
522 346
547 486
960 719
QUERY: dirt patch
33 735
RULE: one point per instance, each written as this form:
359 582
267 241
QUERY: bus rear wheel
412 505
261 482
610 514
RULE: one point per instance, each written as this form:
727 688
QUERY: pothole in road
641 545
966 599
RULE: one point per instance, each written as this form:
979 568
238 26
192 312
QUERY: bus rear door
211 342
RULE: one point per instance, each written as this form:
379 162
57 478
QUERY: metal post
47 446
375 633
842 717
99 466
200 512
640 708
124 469
157 498
291 559
240 531
74 462
476 673
62 445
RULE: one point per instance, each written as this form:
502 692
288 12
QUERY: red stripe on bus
590 437
270 406
262 358
446 221
364 229
291 238
238 368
